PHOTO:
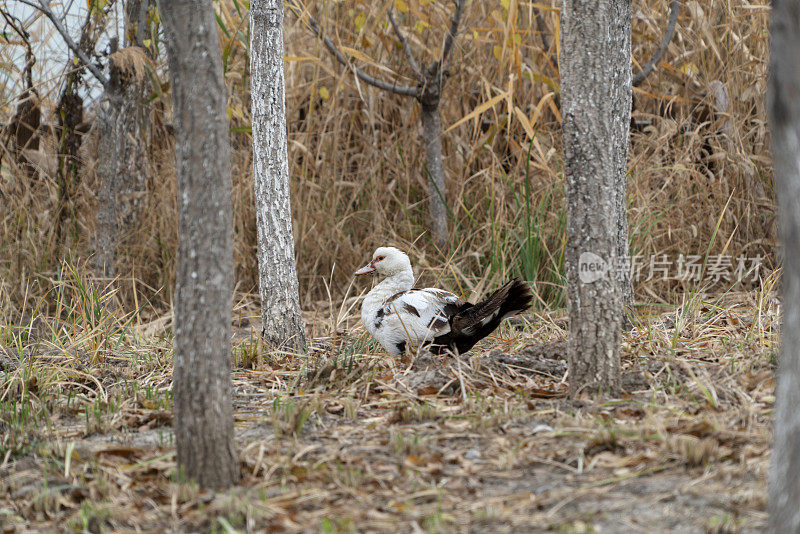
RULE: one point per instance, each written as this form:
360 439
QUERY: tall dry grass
700 180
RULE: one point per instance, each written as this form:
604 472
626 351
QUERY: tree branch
537 17
450 38
640 76
406 48
30 59
363 76
44 7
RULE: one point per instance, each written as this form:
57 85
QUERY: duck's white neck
396 283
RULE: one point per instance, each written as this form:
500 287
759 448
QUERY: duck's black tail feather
476 322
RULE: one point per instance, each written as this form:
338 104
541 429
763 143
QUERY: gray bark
122 149
622 269
122 167
204 287
784 118
596 101
432 137
136 21
282 324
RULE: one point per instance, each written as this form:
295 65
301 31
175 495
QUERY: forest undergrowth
347 438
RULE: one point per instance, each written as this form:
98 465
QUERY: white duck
400 317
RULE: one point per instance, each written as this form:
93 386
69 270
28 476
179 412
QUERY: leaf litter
347 439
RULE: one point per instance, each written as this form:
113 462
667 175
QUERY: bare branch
45 8
30 59
537 17
451 35
363 76
640 76
17 26
406 48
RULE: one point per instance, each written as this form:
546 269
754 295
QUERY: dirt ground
347 439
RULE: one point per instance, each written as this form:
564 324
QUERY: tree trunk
136 21
428 93
282 324
70 115
204 286
432 137
621 270
122 168
784 117
596 100
122 148
106 230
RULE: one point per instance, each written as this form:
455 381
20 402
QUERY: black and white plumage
400 317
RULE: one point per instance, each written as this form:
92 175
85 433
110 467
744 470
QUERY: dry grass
346 439
700 181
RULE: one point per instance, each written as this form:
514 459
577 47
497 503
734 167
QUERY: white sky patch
51 52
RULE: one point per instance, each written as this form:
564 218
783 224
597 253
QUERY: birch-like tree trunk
204 289
784 118
432 137
282 324
596 99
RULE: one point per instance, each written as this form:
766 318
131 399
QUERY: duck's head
386 261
